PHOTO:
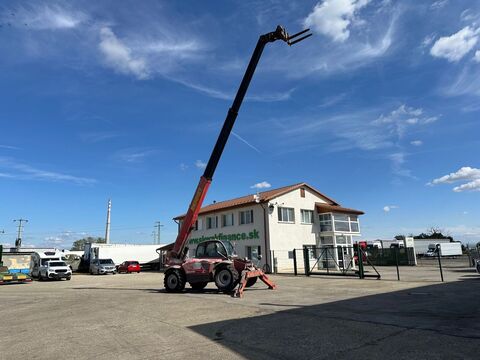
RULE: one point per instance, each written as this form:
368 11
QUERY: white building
273 223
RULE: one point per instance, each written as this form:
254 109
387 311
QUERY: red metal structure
215 260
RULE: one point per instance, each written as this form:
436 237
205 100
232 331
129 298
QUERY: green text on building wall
227 237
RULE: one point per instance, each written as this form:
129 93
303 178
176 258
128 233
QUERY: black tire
251 281
266 269
68 278
226 277
198 285
174 280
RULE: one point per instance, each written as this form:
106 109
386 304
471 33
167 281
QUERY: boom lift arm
178 253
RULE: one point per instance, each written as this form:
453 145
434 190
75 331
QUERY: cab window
200 250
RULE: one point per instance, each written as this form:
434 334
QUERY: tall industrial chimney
107 229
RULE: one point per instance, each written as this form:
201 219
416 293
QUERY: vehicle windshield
134 263
57 263
106 262
229 247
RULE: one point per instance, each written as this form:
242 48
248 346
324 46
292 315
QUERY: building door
344 256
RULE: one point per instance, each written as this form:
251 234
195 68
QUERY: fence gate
334 260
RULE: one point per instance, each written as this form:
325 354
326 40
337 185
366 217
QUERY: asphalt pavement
129 316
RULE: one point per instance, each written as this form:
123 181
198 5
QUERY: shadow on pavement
439 321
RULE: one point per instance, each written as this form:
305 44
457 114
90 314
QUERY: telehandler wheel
226 277
251 282
174 280
198 285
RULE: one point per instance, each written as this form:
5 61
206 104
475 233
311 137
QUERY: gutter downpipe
266 234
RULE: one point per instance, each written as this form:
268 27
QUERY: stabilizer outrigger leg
248 274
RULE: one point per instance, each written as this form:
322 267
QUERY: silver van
103 266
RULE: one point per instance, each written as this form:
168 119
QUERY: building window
254 252
325 222
307 216
343 240
195 226
348 223
212 222
227 219
326 240
286 214
354 227
302 192
246 217
341 222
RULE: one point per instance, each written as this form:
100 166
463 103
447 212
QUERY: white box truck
446 249
146 255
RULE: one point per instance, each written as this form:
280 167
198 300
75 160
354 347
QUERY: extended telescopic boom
178 252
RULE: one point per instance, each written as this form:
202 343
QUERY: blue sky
124 100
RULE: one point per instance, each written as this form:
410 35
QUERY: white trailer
146 255
446 249
40 259
421 245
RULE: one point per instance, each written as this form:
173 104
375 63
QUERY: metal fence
389 264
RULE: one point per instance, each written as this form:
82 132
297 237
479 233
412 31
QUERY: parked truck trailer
445 249
146 255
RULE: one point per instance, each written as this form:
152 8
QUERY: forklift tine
298 34
298 40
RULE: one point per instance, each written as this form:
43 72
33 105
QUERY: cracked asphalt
129 316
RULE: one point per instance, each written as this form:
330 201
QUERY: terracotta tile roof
324 208
263 197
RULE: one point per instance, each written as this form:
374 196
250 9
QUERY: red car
129 267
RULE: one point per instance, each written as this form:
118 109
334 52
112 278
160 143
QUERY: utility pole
18 241
107 228
158 225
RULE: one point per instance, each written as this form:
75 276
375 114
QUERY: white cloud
183 166
387 208
98 136
427 40
26 172
119 56
416 142
45 17
398 161
477 56
466 173
439 4
363 129
456 46
245 141
401 118
261 185
334 17
470 186
200 164
223 95
9 147
133 155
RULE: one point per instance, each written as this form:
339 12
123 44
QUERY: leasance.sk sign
227 237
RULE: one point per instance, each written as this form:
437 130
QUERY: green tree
79 245
433 233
